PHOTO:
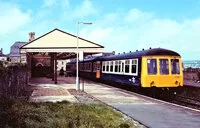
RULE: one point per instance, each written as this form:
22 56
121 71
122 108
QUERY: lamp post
77 54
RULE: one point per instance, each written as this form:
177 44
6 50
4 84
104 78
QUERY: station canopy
58 41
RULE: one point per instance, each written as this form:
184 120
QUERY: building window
164 66
152 66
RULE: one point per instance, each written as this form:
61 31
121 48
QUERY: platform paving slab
51 93
151 114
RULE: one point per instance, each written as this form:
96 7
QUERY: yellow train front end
161 71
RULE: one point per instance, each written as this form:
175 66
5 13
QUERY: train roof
137 54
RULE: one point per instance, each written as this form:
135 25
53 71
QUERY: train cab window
164 66
152 66
107 66
133 66
111 66
116 66
175 69
127 66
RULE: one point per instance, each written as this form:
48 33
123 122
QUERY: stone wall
13 81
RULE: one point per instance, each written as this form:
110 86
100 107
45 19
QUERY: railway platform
149 112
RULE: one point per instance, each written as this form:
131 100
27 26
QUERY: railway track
188 96
187 101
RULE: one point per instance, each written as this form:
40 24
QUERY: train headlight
176 83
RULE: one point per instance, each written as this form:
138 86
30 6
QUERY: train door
149 75
163 72
98 67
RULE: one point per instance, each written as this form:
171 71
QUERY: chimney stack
31 36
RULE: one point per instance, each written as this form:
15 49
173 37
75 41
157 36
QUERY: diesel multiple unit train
155 67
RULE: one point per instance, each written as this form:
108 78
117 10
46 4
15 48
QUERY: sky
118 25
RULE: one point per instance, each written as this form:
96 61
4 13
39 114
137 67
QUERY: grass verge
21 114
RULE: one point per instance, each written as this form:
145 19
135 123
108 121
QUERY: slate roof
14 51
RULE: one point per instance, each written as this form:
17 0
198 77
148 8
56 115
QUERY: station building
50 52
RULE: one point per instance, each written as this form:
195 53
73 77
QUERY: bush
2 68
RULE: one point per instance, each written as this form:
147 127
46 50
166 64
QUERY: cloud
135 15
122 30
85 9
136 29
12 18
51 3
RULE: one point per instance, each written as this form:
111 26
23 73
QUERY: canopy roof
60 41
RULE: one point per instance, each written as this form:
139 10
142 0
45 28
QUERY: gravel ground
194 83
83 97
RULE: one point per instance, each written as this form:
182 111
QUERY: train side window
152 66
127 66
90 67
175 69
123 67
104 66
79 66
107 66
134 66
116 66
119 70
94 67
164 66
98 66
85 66
111 66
